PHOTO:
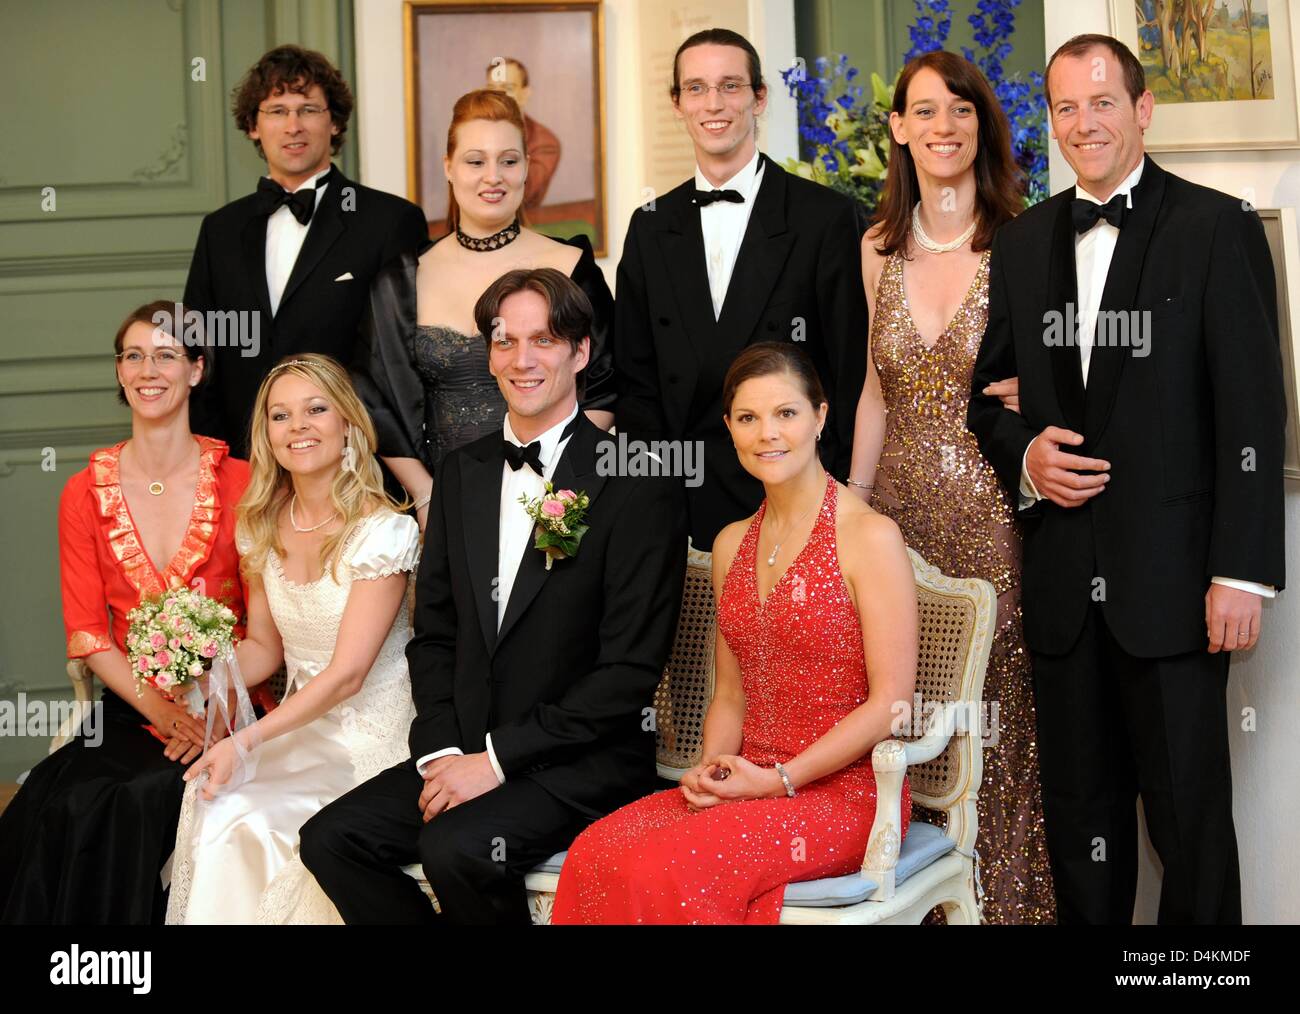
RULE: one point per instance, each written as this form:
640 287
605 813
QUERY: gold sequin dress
933 481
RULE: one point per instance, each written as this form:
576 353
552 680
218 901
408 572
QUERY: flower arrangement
848 130
561 522
172 640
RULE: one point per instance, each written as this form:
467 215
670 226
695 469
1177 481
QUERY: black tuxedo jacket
355 230
798 277
1193 429
563 686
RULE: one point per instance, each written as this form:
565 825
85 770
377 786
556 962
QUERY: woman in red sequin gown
795 644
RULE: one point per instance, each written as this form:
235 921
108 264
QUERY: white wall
1266 804
381 100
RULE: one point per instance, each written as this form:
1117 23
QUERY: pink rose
163 680
162 659
553 508
157 641
174 644
209 650
187 639
178 622
567 494
142 663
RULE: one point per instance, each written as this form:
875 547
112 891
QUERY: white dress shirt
515 538
1093 251
284 238
723 224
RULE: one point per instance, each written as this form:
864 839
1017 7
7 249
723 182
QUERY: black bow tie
1086 213
706 197
301 202
517 457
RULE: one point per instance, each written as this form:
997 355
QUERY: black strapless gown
428 388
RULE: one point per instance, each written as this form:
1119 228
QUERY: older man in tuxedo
743 252
533 682
296 256
1138 311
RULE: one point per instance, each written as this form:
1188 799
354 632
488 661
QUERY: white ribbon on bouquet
224 676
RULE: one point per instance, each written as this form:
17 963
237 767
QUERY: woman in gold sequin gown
951 168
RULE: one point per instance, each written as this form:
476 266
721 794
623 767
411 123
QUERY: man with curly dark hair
289 266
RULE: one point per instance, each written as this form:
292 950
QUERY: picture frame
1284 244
550 56
1211 101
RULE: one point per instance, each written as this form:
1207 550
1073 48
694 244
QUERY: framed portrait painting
1223 71
548 55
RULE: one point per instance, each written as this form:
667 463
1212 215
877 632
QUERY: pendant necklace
771 560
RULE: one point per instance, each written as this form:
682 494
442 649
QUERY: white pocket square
345 277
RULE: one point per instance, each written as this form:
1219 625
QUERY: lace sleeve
389 543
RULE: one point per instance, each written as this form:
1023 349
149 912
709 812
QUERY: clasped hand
706 784
453 779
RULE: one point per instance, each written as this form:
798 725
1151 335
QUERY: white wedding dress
236 858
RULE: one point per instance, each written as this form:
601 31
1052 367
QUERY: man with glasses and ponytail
743 252
289 266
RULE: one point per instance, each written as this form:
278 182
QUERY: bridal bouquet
174 638
561 522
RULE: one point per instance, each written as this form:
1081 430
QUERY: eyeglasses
280 114
162 359
728 89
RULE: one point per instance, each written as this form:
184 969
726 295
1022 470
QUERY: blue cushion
553 864
923 845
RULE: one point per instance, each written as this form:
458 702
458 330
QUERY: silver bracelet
789 785
423 503
860 485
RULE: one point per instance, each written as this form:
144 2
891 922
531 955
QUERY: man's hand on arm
1052 472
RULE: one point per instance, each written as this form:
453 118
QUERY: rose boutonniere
561 522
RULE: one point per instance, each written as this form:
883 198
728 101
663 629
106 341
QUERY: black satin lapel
576 470
325 229
481 506
253 247
763 253
1063 299
684 256
1120 296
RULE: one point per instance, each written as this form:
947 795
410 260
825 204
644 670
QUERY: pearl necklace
313 528
929 245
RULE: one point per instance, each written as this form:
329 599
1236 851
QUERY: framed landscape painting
1223 71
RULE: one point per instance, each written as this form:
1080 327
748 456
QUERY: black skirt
85 839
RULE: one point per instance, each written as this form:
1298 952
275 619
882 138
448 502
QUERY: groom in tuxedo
532 685
300 251
1138 311
744 252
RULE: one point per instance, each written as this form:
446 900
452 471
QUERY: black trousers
475 855
1111 727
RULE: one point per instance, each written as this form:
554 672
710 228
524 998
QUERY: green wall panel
137 152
